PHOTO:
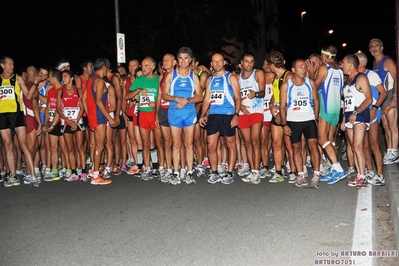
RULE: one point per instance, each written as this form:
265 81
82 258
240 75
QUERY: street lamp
302 32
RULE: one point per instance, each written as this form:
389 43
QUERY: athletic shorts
146 120
12 120
377 118
56 130
307 128
182 117
220 123
85 121
246 121
331 119
363 117
267 123
41 118
387 100
122 124
163 116
66 129
31 124
129 118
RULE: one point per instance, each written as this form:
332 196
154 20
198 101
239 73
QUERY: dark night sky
48 28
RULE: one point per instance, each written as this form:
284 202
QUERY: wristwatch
236 114
354 113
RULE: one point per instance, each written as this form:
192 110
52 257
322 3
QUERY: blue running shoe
327 177
337 176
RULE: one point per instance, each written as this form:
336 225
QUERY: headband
328 53
63 65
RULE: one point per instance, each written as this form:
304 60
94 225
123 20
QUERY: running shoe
247 178
133 170
190 179
107 173
72 178
3 176
166 177
351 173
200 170
146 175
116 170
255 179
276 178
205 163
12 182
227 179
355 182
52 176
292 178
83 177
337 176
213 178
301 181
377 180
100 181
244 170
264 172
175 180
183 174
315 182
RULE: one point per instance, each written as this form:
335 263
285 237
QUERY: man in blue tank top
385 67
182 89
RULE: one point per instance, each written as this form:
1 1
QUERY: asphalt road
134 222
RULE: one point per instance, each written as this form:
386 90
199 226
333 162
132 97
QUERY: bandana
63 65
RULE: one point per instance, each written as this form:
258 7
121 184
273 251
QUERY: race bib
349 105
217 97
7 92
145 100
51 115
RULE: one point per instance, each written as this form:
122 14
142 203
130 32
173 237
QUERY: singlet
70 104
130 108
163 104
181 87
84 86
385 76
330 91
151 85
300 102
52 104
374 80
221 100
276 86
352 96
43 91
267 115
254 105
28 106
10 95
94 115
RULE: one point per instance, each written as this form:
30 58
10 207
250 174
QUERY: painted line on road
363 229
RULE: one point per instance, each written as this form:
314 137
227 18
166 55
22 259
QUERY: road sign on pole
120 44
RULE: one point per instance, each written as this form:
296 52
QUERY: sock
337 166
394 151
96 174
154 155
37 170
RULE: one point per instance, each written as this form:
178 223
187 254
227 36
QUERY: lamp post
330 32
302 32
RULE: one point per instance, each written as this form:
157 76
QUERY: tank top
385 76
70 104
163 104
254 105
267 115
52 104
181 87
300 101
330 91
10 95
352 96
221 99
